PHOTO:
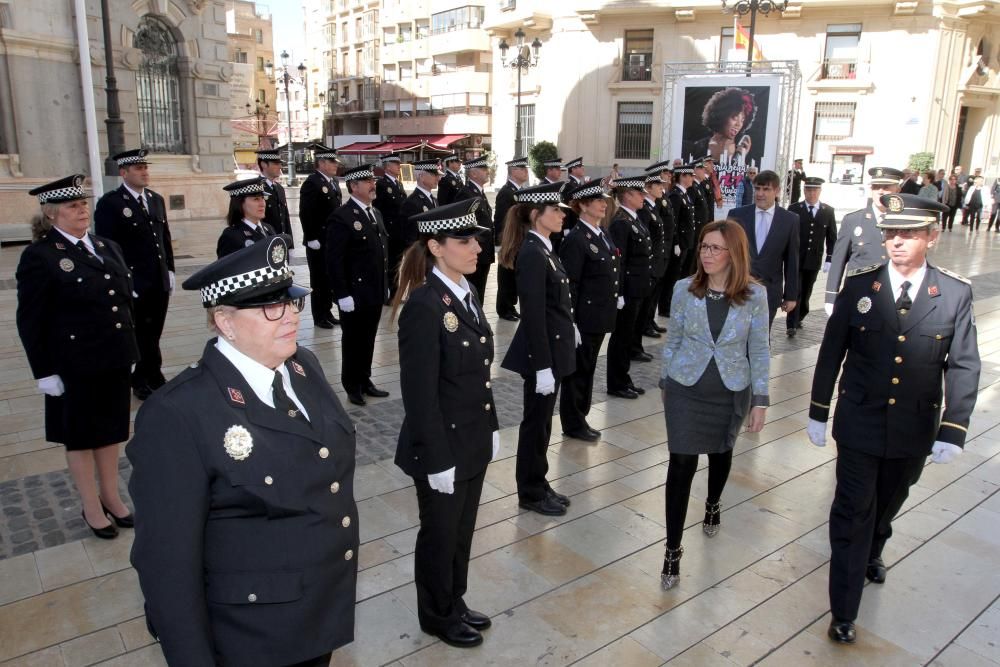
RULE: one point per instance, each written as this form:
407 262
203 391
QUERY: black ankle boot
713 517
671 573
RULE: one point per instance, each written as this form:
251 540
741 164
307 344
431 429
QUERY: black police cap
457 219
904 211
257 275
65 189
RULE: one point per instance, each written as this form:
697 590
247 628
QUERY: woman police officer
245 219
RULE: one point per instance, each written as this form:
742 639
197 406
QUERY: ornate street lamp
303 77
751 7
260 114
522 61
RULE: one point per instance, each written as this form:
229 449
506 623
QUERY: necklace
714 295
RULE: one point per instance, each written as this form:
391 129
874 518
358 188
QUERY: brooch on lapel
326 190
451 322
858 231
447 299
864 305
297 367
66 265
593 248
357 226
238 443
236 396
127 212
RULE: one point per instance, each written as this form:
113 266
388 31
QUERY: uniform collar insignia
60 246
297 367
447 299
236 396
932 290
876 286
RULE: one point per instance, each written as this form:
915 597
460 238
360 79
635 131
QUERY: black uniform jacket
356 255
444 366
683 209
74 312
318 198
276 213
544 336
859 244
389 197
484 218
504 200
246 533
666 211
632 238
416 202
890 396
239 236
448 187
662 239
593 270
702 208
144 239
813 233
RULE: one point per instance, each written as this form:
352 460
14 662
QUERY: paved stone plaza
580 589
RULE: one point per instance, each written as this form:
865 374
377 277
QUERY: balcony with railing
369 101
839 68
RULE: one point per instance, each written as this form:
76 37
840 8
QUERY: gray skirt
706 417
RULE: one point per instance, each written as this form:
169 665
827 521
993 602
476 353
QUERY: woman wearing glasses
715 371
243 465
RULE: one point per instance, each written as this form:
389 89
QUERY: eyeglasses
711 249
275 311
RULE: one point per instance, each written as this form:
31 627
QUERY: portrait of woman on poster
728 114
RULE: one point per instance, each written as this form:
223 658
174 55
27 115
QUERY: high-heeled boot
671 573
713 517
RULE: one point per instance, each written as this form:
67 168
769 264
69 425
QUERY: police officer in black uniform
666 211
592 264
817 225
445 352
684 237
276 214
135 217
576 175
245 219
542 350
357 263
451 180
661 233
517 178
242 474
389 198
319 196
422 199
631 237
859 241
906 328
477 172
703 211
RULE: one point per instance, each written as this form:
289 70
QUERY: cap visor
465 232
289 293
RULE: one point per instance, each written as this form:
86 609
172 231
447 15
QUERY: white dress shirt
259 376
459 289
547 242
139 196
896 280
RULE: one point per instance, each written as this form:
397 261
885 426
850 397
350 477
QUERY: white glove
828 307
621 302
51 386
172 280
314 245
826 267
817 432
944 452
545 383
677 251
346 304
576 334
443 482
496 445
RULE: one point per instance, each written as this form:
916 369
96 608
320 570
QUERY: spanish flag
741 40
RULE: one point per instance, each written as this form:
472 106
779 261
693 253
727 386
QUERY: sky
286 21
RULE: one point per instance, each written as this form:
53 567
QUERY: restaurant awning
403 142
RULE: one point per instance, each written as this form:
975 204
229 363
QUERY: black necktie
142 203
904 302
83 246
605 239
472 308
812 211
282 403
371 218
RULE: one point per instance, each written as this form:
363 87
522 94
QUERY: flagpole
753 29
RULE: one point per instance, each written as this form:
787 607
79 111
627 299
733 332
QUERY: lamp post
286 78
303 77
524 59
751 7
260 116
114 122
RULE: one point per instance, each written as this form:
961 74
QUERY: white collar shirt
259 376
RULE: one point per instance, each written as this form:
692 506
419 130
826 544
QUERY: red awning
443 141
359 147
402 142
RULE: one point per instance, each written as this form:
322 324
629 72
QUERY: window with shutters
158 88
633 140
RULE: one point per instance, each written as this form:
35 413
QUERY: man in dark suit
276 213
478 173
817 225
905 328
420 200
319 196
666 212
794 180
773 234
357 262
451 180
517 178
135 217
389 198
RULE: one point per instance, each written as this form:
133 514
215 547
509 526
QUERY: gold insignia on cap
277 254
864 305
895 204
357 226
127 213
878 173
66 265
238 442
451 322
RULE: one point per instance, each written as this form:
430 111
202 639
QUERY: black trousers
396 250
680 473
644 318
318 661
478 280
358 344
948 219
578 388
506 290
994 217
974 216
321 298
619 346
807 278
670 279
533 442
441 557
150 312
870 491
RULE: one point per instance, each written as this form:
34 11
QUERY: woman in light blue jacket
716 363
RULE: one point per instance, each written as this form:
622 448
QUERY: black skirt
93 412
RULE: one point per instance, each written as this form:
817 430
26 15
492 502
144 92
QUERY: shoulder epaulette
864 269
952 274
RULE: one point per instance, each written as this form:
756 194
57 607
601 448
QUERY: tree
541 152
921 162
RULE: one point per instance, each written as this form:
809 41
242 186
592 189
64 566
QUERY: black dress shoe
142 392
842 632
375 392
659 328
623 393
109 532
510 317
547 506
356 398
459 636
875 572
558 497
638 390
584 434
127 521
475 619
791 333
650 332
642 356
323 324
594 432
